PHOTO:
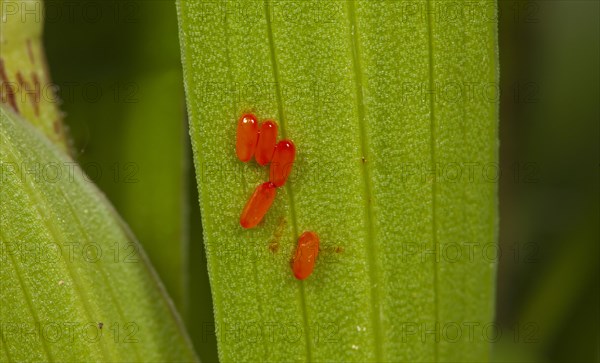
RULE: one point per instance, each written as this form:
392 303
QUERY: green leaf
393 110
76 285
25 83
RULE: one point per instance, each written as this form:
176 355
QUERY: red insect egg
247 137
258 205
266 142
306 254
283 160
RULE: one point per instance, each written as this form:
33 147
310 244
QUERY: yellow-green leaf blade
69 263
353 84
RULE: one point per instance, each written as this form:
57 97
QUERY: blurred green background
117 64
548 277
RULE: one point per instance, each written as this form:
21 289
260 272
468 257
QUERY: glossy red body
258 205
306 254
267 139
247 137
283 160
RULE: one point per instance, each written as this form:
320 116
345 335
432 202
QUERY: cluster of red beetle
261 142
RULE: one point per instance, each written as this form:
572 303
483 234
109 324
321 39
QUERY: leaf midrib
433 165
369 238
287 186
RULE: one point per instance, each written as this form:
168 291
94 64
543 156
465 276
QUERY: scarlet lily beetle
281 165
247 137
258 205
306 254
266 142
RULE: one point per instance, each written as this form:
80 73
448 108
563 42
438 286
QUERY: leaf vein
433 164
370 241
37 195
28 300
116 301
287 187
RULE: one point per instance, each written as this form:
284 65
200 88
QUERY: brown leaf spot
32 93
30 51
20 79
57 125
274 247
274 243
7 91
38 93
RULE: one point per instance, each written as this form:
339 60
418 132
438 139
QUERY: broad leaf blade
359 86
69 263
